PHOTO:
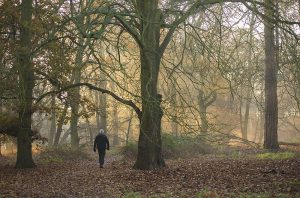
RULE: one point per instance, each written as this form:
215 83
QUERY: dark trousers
101 156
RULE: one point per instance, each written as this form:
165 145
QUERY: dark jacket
101 143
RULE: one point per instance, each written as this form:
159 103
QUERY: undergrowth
175 147
277 155
61 154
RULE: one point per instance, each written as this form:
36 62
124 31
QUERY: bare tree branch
93 87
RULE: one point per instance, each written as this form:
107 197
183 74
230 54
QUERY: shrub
186 146
60 154
174 147
130 150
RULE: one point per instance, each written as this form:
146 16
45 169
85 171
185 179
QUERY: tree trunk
245 118
173 103
101 101
271 103
115 120
74 103
248 87
91 134
26 84
261 120
261 131
115 126
202 111
60 124
75 96
65 136
149 145
53 121
129 127
204 101
103 104
97 97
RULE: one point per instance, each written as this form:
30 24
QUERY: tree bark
128 132
97 97
0 146
115 120
65 136
91 134
271 101
245 118
103 104
248 87
53 122
26 84
75 96
204 101
149 145
173 103
60 124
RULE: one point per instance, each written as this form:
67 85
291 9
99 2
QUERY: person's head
101 131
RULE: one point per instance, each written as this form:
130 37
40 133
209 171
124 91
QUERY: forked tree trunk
149 145
204 101
26 84
271 103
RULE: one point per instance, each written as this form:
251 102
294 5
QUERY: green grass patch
262 195
51 159
277 156
211 194
253 195
132 195
207 194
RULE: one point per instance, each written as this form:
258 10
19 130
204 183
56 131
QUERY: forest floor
236 175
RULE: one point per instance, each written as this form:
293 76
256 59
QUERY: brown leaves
182 178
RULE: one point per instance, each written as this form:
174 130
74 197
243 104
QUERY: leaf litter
218 177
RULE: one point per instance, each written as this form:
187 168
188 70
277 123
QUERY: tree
26 84
60 123
149 145
271 66
115 120
53 122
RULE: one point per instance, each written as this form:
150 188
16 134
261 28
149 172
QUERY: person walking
101 143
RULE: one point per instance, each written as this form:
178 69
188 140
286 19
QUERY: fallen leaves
181 178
